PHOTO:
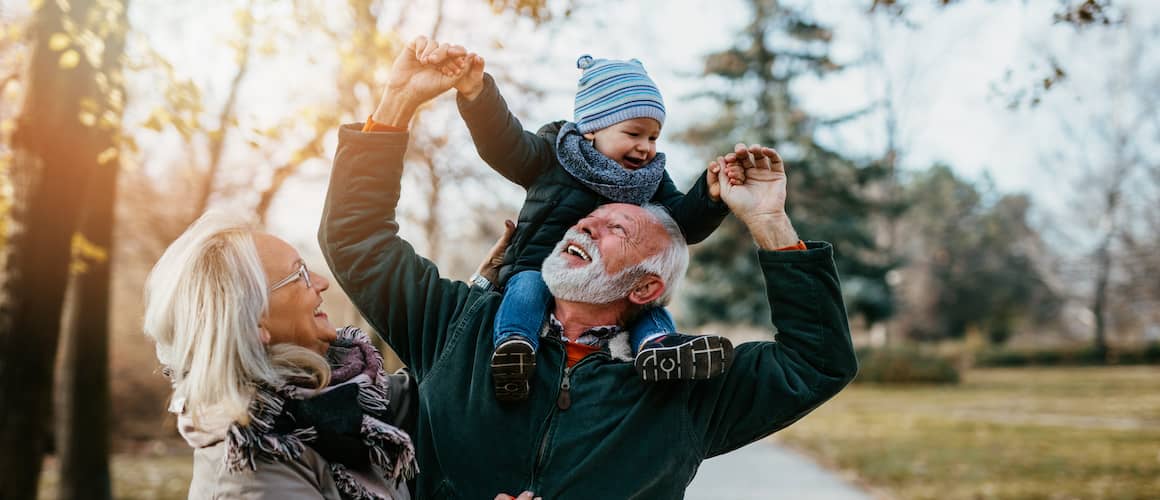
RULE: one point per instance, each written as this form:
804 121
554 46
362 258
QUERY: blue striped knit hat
612 91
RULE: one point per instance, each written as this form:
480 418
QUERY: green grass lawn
1002 433
146 476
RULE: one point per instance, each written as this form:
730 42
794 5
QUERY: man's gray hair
672 261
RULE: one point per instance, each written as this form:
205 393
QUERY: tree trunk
55 153
1100 300
82 413
82 409
1103 256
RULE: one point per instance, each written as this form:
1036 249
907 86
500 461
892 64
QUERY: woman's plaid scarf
344 422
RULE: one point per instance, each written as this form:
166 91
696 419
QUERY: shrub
904 366
1149 355
1073 356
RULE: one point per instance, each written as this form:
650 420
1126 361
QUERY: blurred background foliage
121 122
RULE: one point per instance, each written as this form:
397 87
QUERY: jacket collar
611 339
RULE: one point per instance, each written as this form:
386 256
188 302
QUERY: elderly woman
275 402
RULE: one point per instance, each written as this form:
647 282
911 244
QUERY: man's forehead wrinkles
632 227
636 234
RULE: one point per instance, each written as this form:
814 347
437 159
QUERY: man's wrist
772 232
481 281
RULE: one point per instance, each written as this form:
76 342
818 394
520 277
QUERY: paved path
766 471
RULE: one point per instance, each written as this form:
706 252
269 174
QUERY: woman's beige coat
308 477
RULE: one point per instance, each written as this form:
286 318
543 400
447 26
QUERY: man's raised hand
760 200
466 68
762 193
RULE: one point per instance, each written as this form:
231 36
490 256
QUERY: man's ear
647 290
591 136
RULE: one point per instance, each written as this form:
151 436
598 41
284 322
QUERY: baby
607 154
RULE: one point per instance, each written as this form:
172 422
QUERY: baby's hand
734 171
455 68
451 64
471 83
466 68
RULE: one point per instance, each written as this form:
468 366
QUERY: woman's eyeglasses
302 273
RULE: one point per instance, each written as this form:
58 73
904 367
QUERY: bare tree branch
438 20
312 149
217 138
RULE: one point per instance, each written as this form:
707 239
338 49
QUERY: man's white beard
588 283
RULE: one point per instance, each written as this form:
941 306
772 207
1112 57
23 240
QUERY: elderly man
591 428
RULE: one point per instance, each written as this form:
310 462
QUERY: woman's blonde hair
204 300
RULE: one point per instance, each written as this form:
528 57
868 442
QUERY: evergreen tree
827 192
974 260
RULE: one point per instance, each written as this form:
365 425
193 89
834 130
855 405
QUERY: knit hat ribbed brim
611 91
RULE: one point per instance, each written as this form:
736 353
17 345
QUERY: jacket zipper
563 402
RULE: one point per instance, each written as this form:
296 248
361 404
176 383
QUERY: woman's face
295 315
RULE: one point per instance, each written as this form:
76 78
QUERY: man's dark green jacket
620 437
555 199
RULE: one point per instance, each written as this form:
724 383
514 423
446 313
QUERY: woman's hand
423 70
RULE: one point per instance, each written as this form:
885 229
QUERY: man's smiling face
591 262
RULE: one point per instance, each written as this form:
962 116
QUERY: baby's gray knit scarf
602 174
